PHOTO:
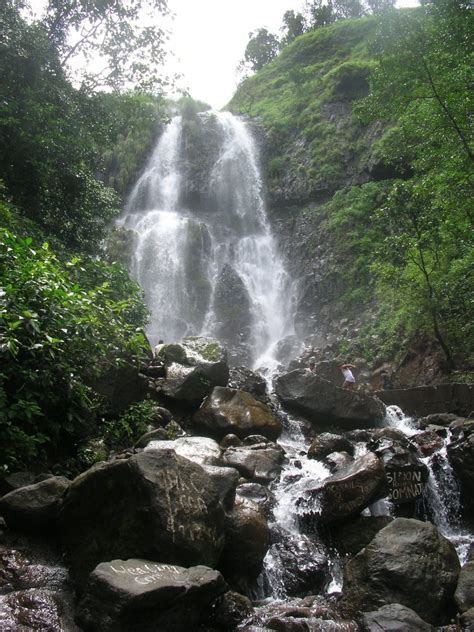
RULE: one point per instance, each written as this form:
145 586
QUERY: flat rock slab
146 596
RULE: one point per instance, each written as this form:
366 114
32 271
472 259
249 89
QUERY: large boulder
193 368
408 562
464 594
345 493
326 405
155 505
228 411
246 543
232 308
144 596
34 507
243 379
298 567
120 387
352 536
258 462
394 618
326 443
201 450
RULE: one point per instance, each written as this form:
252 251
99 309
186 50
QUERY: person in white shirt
349 379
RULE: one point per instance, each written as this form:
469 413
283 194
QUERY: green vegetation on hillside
66 156
389 100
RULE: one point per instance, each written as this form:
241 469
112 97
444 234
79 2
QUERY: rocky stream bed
298 508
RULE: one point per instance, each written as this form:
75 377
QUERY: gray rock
394 618
225 480
155 505
34 507
30 610
464 594
258 494
247 539
146 596
345 493
229 610
408 562
301 566
351 537
325 443
232 308
243 379
228 411
260 463
337 461
201 450
193 368
326 405
466 620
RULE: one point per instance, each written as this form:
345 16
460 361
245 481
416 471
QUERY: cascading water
212 270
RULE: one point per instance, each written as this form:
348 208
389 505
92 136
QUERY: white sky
209 38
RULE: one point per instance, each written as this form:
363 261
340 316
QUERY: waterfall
212 267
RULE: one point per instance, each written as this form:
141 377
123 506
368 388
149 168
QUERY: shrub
61 324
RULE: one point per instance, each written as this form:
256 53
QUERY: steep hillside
332 173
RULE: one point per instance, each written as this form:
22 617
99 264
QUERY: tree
293 26
123 39
262 47
422 86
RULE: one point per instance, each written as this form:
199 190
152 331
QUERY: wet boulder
405 473
232 307
408 562
229 610
243 379
30 611
193 368
428 442
34 507
394 618
337 461
326 442
258 494
352 536
201 450
143 595
325 404
259 462
345 493
225 480
228 411
154 505
299 565
464 594
247 538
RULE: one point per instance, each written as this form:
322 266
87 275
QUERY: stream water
440 505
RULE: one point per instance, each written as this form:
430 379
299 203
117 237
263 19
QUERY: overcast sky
209 39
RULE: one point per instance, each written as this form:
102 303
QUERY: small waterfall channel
203 250
281 580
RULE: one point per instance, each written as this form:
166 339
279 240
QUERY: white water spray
179 255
